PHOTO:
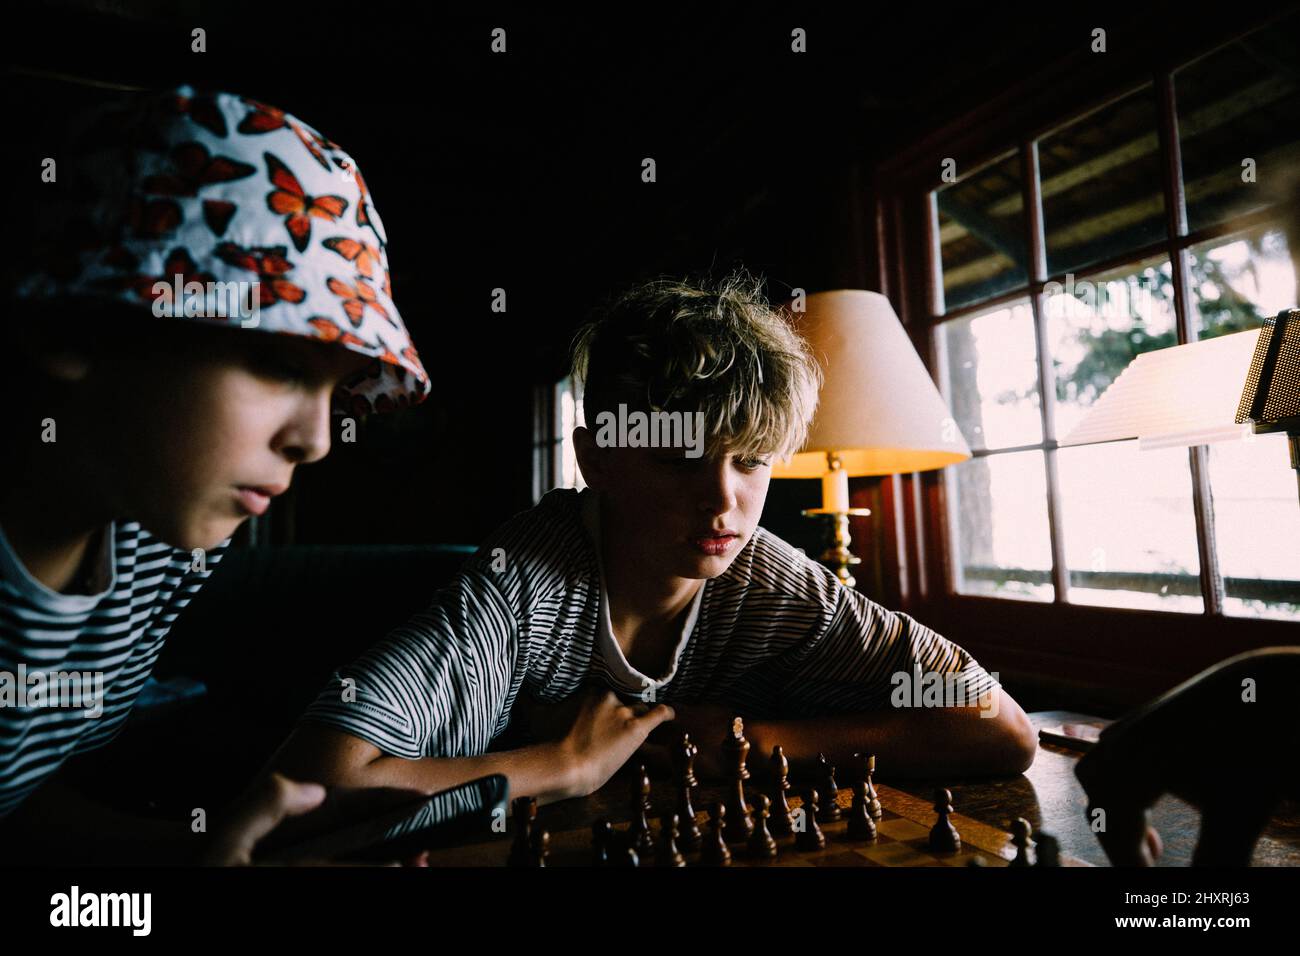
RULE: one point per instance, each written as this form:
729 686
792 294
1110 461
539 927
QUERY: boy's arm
908 743
340 759
864 680
917 742
604 734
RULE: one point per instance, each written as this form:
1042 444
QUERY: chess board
902 839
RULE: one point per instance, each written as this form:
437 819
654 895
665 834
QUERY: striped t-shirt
71 665
775 635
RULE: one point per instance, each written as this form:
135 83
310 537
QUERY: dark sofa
248 655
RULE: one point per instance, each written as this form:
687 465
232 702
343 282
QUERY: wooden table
1049 796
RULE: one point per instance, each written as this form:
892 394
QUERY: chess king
605 622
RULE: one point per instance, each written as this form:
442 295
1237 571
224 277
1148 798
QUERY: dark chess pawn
761 844
623 853
539 848
810 837
861 825
639 835
602 836
781 823
714 852
524 812
683 756
666 852
944 837
1047 851
735 751
1021 833
829 810
866 770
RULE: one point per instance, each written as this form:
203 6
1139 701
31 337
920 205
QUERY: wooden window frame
1127 653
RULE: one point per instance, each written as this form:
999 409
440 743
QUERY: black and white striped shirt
775 635
94 651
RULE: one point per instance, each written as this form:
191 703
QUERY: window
557 410
1020 361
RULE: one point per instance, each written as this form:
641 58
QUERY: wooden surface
902 840
1049 796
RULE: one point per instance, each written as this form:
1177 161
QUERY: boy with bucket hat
206 277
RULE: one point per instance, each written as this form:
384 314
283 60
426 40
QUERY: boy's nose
306 437
718 492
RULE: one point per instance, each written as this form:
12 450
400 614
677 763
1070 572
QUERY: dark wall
522 172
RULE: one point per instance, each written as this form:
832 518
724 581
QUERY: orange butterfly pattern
174 181
290 200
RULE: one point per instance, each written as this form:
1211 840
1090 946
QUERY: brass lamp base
837 555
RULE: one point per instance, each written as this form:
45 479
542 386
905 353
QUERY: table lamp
1216 390
879 412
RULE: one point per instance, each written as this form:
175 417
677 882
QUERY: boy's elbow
322 755
1017 739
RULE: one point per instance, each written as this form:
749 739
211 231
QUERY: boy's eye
752 464
281 369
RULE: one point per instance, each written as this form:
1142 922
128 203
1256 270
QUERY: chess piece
829 809
666 852
761 844
524 812
622 852
810 838
735 751
539 847
866 770
1047 851
602 836
683 756
1021 833
639 835
944 837
714 850
781 823
861 824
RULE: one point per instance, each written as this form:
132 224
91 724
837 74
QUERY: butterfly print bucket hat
181 192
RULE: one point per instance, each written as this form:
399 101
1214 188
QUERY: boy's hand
604 734
707 724
275 799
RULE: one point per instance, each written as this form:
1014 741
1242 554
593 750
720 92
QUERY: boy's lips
255 499
714 543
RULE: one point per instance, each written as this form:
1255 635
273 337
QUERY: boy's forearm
335 758
539 770
914 742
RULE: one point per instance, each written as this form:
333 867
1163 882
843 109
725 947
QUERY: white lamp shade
1176 396
879 410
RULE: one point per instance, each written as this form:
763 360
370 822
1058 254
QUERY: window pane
1102 184
999 522
1130 531
570 418
982 234
1257 526
990 362
1238 103
1237 281
1098 324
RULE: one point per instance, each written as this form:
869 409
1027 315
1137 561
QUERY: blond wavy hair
713 347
